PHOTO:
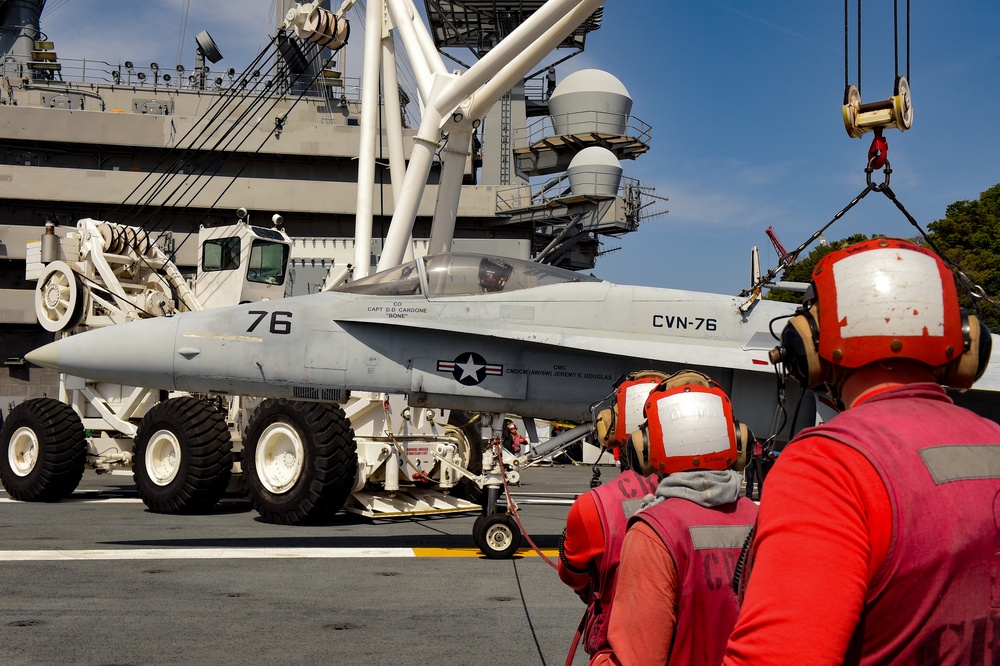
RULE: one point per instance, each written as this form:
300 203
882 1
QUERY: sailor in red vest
878 540
754 471
674 601
596 523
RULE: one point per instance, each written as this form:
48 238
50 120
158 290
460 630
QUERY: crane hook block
315 24
897 111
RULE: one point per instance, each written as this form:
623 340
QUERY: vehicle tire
497 535
471 452
183 456
299 461
45 451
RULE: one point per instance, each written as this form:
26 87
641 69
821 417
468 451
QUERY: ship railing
588 122
556 191
100 72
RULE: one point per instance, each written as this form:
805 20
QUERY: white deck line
201 554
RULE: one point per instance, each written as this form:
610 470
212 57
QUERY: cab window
220 254
267 262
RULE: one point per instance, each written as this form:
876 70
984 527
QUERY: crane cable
974 290
221 110
879 149
218 115
877 153
222 142
194 139
895 38
209 130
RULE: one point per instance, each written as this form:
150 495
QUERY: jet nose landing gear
497 535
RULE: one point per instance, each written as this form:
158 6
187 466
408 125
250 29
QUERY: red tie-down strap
879 151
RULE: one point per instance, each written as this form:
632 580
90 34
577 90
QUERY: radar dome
594 171
590 100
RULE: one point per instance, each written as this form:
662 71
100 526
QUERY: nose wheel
497 535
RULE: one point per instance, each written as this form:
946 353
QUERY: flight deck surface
98 579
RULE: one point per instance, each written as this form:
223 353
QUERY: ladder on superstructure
506 148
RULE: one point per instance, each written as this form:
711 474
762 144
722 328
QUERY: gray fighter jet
459 331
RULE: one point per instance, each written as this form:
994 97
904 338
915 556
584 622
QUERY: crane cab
241 263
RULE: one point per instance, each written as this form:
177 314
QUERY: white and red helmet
616 424
883 298
688 427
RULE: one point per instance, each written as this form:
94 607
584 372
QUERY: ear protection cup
605 425
640 449
983 342
799 350
744 439
970 366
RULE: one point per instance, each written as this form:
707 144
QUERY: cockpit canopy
462 274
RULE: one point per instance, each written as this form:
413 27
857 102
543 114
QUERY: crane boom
784 257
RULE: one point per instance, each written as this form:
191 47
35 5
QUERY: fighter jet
459 331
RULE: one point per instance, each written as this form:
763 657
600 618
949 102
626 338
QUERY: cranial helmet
689 426
877 300
616 424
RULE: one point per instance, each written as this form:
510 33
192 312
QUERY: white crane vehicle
185 451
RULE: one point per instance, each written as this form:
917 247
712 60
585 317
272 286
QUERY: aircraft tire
497 535
45 451
477 533
300 461
467 423
183 456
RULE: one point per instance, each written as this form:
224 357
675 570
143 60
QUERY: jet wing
722 354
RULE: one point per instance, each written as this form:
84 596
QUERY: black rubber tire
205 463
60 450
497 535
477 532
326 473
468 424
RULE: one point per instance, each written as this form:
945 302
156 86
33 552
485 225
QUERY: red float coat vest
616 502
936 597
705 544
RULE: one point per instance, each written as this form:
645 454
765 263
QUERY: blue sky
744 100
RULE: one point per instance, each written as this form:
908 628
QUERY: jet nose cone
46 356
135 354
